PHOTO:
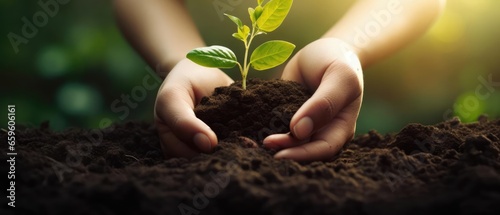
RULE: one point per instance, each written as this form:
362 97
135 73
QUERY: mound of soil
264 108
448 168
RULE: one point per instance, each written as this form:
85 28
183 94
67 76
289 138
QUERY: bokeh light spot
120 65
52 62
449 29
468 107
79 99
477 5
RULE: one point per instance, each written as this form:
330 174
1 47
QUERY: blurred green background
76 69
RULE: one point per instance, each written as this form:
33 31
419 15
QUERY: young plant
265 18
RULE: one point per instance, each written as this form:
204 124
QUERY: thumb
175 109
339 86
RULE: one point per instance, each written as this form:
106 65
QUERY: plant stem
246 64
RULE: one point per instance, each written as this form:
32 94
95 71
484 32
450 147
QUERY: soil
264 108
447 168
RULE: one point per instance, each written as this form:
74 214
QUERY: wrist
163 69
351 49
349 54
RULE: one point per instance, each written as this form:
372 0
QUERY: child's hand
181 133
331 69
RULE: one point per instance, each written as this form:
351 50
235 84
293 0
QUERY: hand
181 133
331 69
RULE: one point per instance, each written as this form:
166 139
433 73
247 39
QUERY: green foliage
271 54
273 15
213 56
265 18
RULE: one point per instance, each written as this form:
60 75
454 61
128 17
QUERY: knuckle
351 79
328 106
356 84
176 124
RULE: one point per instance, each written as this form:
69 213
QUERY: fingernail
202 142
303 128
281 154
266 143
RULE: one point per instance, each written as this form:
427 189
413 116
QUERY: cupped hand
331 70
181 133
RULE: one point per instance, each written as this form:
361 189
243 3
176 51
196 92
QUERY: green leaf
244 32
238 36
235 20
258 12
251 12
271 54
259 2
275 11
255 13
213 56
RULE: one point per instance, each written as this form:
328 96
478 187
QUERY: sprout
265 18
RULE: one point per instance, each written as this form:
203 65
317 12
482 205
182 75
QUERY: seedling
265 18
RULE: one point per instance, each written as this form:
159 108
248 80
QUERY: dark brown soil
448 168
264 108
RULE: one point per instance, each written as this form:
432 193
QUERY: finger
338 87
324 144
282 141
172 146
174 108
